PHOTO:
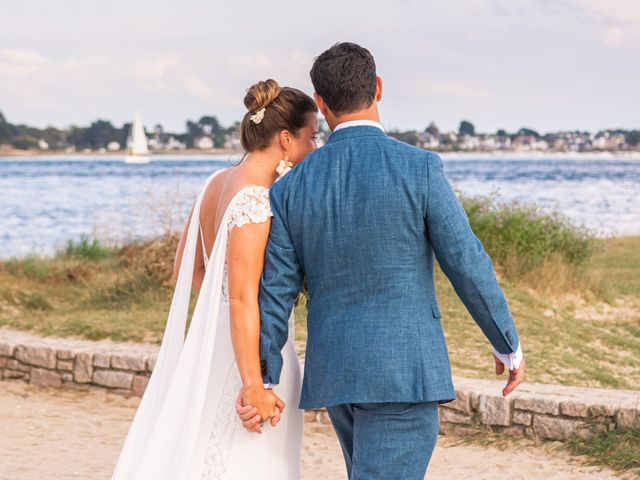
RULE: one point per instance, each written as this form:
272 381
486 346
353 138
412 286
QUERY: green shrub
524 237
86 248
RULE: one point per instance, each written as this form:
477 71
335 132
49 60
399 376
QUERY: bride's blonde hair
285 108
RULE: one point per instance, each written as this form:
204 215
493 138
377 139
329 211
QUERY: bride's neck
262 165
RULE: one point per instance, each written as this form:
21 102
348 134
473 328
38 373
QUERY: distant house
467 142
43 145
232 141
203 143
609 141
113 146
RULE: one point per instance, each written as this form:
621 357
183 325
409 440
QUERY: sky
545 64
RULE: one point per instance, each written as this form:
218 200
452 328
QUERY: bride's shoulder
251 205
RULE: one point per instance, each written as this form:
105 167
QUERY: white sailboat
137 148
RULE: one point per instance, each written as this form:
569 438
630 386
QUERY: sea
47 201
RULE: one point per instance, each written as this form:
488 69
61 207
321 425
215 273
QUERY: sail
137 140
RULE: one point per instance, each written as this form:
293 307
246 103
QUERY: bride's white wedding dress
186 426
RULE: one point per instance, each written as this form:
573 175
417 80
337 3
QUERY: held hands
516 376
254 406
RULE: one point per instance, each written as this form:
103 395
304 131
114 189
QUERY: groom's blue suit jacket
361 219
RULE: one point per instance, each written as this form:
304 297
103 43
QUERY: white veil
167 438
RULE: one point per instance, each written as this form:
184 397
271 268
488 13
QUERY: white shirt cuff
510 360
270 385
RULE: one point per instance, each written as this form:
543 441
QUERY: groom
361 219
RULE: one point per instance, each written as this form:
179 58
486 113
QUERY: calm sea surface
46 201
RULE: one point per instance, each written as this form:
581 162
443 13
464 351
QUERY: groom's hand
516 376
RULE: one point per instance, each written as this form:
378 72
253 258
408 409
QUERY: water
46 201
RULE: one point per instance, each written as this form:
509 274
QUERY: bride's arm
245 258
198 269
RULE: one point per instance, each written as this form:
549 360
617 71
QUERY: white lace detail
223 428
251 207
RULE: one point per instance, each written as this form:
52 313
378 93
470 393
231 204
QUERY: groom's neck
370 113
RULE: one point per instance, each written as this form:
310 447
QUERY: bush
86 248
523 237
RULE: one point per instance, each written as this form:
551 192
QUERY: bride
186 425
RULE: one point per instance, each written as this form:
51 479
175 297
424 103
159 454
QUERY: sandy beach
57 434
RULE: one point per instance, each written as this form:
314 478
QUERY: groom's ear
378 88
321 105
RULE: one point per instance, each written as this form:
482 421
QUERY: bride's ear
285 139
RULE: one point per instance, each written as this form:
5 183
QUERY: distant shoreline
467 155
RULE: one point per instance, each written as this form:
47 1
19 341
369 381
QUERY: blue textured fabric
386 441
361 219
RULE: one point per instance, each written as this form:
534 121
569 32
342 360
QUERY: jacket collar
355 132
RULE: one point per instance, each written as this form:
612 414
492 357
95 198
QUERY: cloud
199 90
155 67
453 90
243 63
20 62
613 37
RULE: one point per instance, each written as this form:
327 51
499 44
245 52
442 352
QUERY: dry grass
577 327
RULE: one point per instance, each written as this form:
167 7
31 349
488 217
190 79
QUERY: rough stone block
557 428
475 401
65 355
139 384
83 369
602 410
310 416
522 418
462 402
627 418
495 410
126 362
453 416
574 409
7 349
538 405
101 360
323 416
45 378
151 363
36 356
67 377
13 374
3 361
13 364
66 365
110 378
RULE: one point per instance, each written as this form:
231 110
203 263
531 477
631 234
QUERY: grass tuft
618 450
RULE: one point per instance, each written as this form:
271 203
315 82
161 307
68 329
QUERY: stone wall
122 368
546 411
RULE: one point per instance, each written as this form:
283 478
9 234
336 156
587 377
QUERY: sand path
58 434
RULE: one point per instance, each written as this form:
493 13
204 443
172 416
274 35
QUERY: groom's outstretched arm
279 287
467 265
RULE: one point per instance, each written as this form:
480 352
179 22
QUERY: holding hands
257 405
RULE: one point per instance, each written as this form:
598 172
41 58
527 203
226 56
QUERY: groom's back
355 210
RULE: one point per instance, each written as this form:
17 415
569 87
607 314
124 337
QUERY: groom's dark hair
345 77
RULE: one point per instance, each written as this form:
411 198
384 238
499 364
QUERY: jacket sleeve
280 285
465 261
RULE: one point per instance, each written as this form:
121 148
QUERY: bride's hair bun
261 94
285 109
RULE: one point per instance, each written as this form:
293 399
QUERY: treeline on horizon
100 133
